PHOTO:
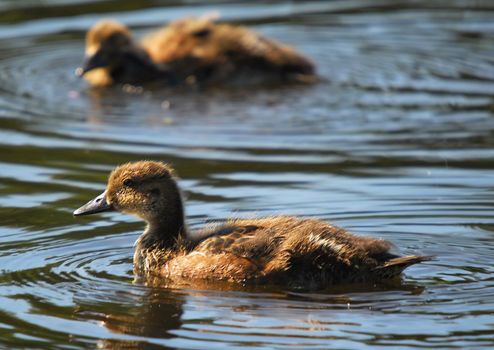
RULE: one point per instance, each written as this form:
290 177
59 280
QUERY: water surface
396 141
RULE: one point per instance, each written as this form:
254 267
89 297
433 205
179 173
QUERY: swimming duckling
278 250
191 50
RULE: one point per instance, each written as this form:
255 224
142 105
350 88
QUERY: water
396 142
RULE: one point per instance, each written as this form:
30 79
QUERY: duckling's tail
395 266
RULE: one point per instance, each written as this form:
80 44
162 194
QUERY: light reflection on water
395 141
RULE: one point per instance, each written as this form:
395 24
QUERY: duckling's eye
128 182
155 191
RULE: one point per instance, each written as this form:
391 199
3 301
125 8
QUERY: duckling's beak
97 205
91 62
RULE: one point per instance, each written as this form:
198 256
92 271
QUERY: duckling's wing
249 241
266 54
224 238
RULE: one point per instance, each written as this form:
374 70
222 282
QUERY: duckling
190 50
275 250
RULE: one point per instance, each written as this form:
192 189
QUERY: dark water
397 142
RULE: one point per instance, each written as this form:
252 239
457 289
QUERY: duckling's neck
135 66
166 231
165 223
161 240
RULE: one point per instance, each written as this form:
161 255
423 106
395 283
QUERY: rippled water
397 141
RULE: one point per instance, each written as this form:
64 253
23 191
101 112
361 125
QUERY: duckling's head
107 43
146 189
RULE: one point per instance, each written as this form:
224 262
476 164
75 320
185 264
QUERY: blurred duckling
275 250
190 51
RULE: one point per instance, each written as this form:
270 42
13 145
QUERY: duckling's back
215 53
305 252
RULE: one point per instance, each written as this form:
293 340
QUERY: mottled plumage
190 51
278 250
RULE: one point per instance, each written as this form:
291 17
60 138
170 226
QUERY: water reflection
226 315
153 315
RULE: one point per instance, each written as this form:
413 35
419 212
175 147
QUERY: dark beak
97 205
91 62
